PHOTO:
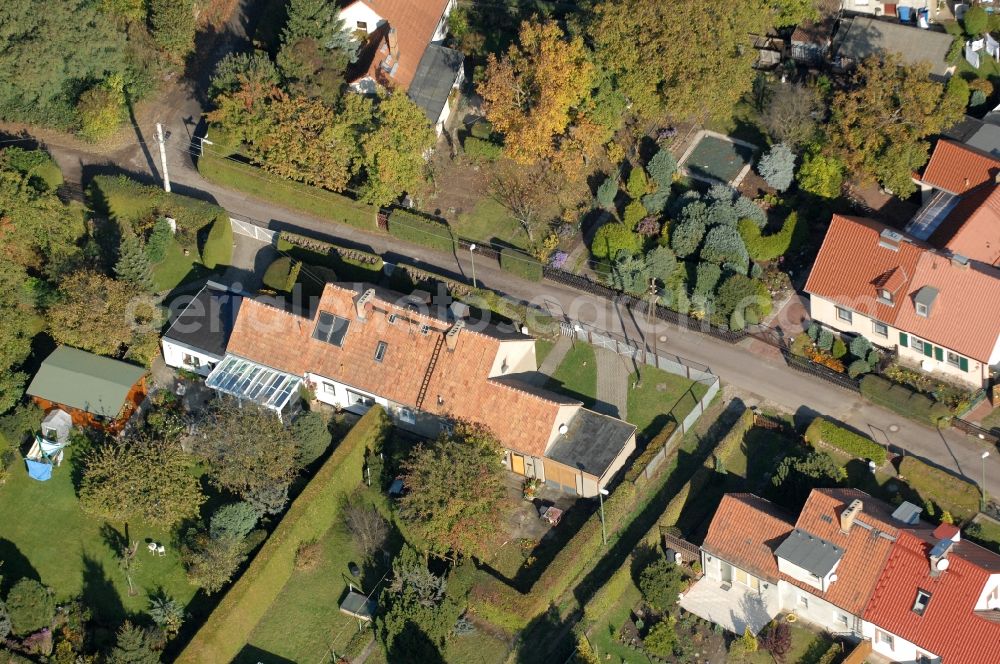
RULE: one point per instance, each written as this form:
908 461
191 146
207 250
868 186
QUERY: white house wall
360 12
174 356
442 28
901 651
873 7
619 461
519 356
334 393
989 599
825 311
819 611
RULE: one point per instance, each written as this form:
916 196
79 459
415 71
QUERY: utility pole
163 157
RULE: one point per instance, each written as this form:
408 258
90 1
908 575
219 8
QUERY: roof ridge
492 380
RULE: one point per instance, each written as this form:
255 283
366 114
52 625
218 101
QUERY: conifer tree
133 264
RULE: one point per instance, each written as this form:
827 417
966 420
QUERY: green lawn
576 376
649 404
807 648
985 533
604 633
488 221
478 647
542 350
53 539
992 421
176 268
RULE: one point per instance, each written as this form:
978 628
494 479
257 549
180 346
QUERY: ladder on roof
430 371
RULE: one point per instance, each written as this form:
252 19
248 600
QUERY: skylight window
331 329
380 350
923 599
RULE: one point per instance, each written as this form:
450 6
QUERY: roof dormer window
922 309
885 296
920 604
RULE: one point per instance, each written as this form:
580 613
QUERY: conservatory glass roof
248 380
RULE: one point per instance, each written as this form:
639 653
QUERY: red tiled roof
415 22
949 628
957 168
864 550
851 263
522 420
745 531
973 227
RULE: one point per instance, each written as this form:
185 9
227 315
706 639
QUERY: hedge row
822 430
478 148
418 229
282 274
768 247
957 496
229 626
657 443
607 596
293 195
521 264
904 401
347 264
218 247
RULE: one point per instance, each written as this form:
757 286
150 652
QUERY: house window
887 639
880 329
918 345
355 399
920 604
845 315
885 295
954 359
803 601
380 350
331 329
329 388
447 427
363 25
406 415
391 318
923 658
425 329
192 360
921 309
748 580
843 620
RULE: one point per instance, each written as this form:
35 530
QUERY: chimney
364 304
849 514
451 336
960 261
393 43
939 556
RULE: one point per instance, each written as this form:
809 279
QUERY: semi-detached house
937 309
362 346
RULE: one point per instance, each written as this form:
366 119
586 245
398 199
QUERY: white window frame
885 295
362 25
917 344
877 332
918 606
886 638
358 399
329 388
190 360
922 310
845 315
954 359
843 619
406 415
804 601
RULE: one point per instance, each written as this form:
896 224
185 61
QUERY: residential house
197 338
860 37
370 346
96 391
853 566
811 40
402 49
961 210
981 134
904 295
822 566
937 601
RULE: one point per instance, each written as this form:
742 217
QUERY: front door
727 572
517 463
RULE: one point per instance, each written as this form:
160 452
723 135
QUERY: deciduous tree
529 93
660 583
523 191
393 150
455 490
173 26
791 114
822 175
92 312
365 524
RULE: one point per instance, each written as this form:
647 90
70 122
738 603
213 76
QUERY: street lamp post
983 487
472 255
604 532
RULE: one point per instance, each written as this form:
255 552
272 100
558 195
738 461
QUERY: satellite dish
942 564
563 429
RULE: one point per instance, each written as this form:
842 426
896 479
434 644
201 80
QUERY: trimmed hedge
957 496
822 430
229 626
607 596
418 229
282 274
318 202
768 247
657 443
218 247
478 148
904 401
520 264
347 264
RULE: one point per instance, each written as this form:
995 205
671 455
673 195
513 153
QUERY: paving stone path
613 376
555 356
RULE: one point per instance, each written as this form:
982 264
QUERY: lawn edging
228 628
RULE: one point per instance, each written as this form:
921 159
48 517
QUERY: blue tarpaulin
38 470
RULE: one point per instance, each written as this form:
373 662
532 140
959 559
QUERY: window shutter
904 339
939 353
963 363
928 349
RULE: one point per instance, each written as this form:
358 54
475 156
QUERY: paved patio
523 521
734 609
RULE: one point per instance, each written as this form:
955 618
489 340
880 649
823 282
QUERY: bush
723 244
821 175
101 112
30 607
686 236
951 494
824 431
707 277
777 166
858 368
825 340
606 193
662 638
660 582
657 443
159 240
976 21
418 229
634 213
813 331
523 265
172 24
613 238
608 595
312 435
839 348
860 346
978 98
637 185
218 247
769 247
347 264
282 274
662 167
229 626
482 129
478 148
233 520
903 400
